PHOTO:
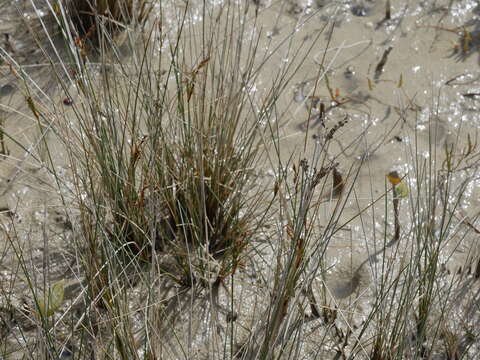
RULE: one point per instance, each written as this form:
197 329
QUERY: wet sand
406 87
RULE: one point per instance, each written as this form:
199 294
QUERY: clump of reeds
164 149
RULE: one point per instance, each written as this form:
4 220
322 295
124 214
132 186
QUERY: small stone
359 10
231 316
369 25
67 101
349 72
66 353
270 172
6 90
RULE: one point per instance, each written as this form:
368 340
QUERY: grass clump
182 247
170 154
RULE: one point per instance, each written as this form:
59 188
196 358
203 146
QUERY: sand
407 87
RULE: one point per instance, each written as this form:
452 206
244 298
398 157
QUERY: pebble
6 90
361 8
66 354
67 101
270 173
298 95
349 72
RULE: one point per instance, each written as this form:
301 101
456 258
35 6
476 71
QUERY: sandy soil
409 108
424 96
